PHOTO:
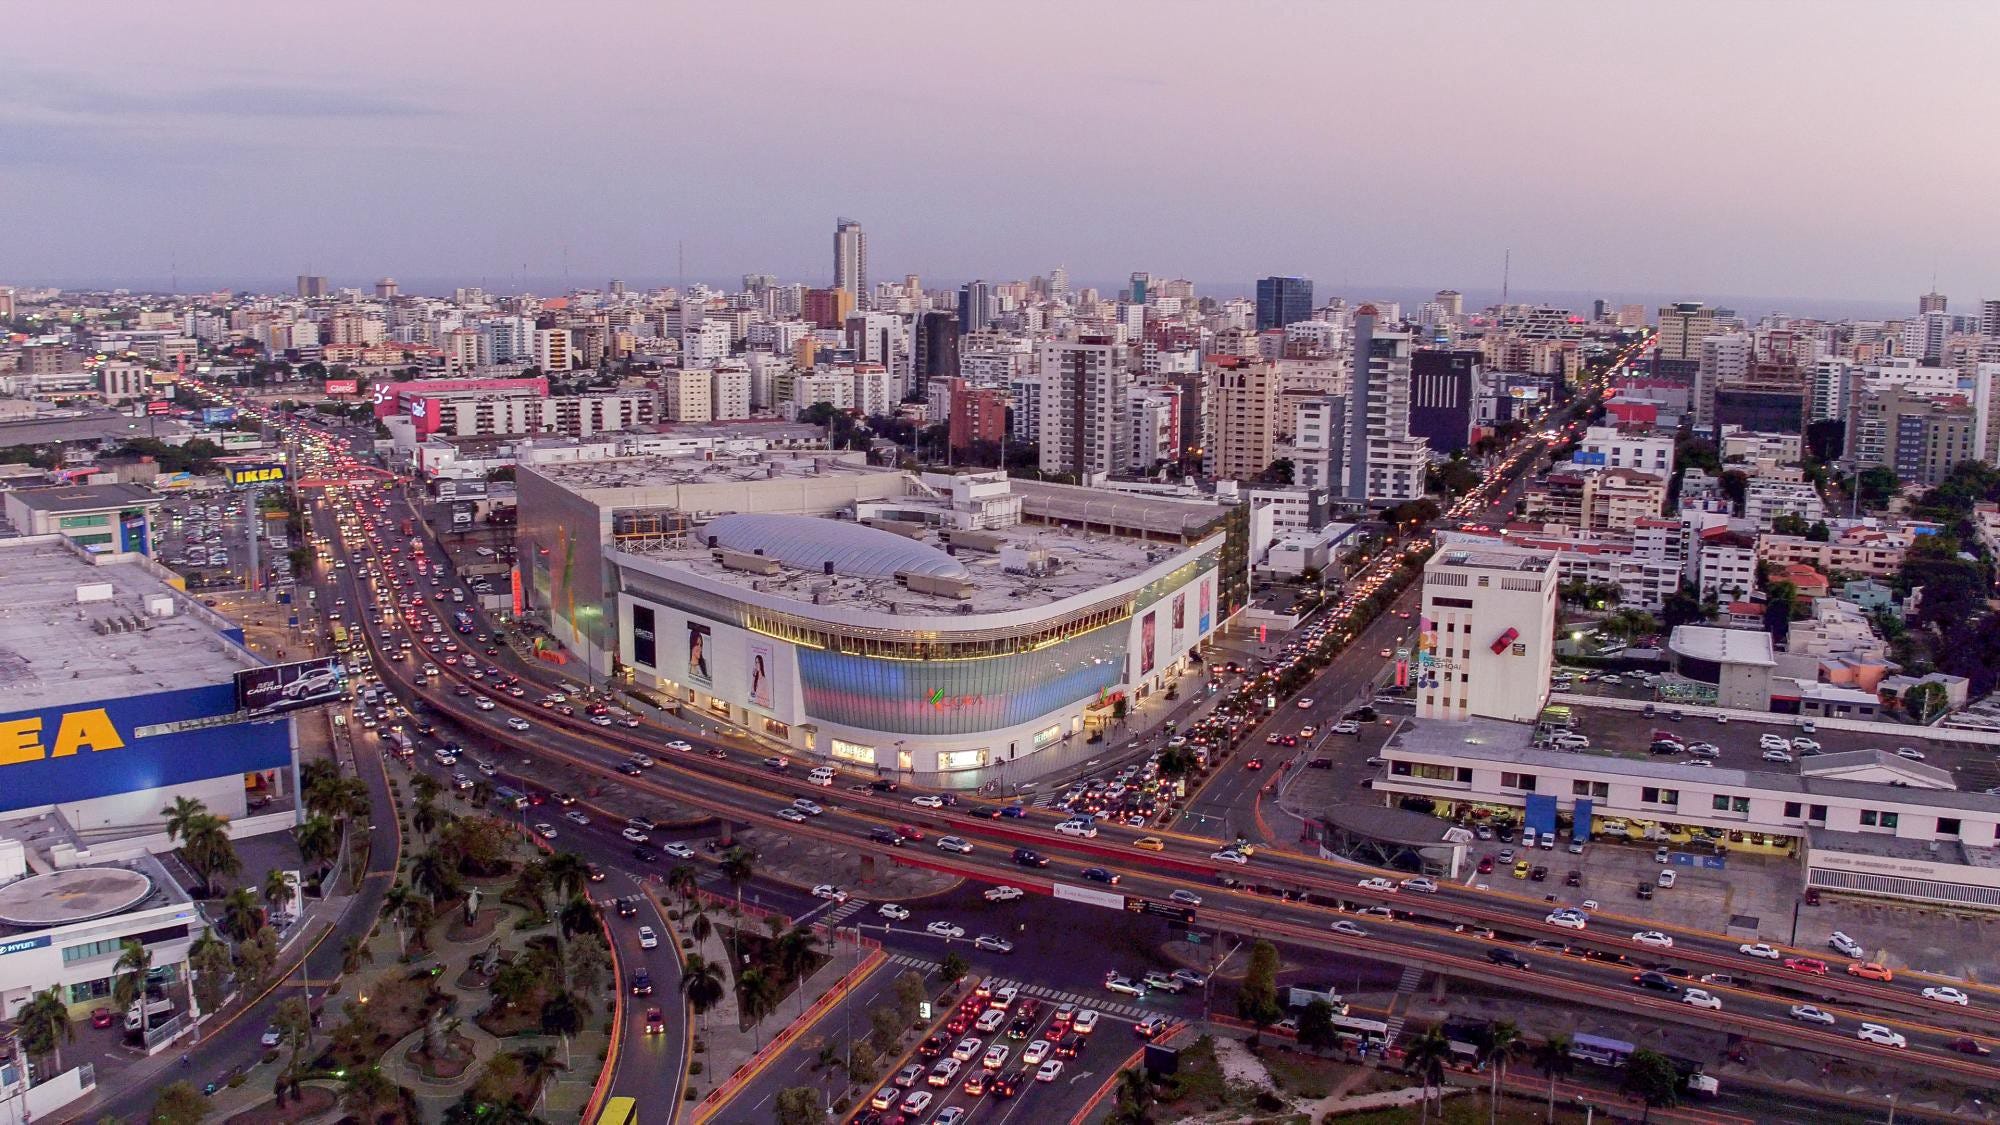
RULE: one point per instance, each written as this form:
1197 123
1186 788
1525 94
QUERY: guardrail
721 1095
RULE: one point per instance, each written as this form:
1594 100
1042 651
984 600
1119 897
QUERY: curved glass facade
951 697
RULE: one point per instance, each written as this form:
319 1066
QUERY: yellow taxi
1150 844
1521 869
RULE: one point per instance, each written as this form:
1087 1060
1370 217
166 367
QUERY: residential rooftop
58 649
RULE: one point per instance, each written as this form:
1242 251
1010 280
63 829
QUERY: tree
538 1065
562 1014
1925 701
954 968
1650 1076
277 889
432 874
367 1091
738 866
1826 439
43 1025
182 814
799 1105
1426 1056
1503 1042
206 846
1134 1097
702 984
568 874
1877 485
1280 471
210 961
294 1024
179 1104
580 916
514 983
585 962
910 995
1819 533
1257 998
255 957
756 996
1789 523
317 840
1316 1026
499 1081
681 880
1552 1058
242 917
887 1025
134 962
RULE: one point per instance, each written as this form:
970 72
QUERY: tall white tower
850 260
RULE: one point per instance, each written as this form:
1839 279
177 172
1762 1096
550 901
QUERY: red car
656 1021
1486 865
909 832
1810 965
1254 764
100 1017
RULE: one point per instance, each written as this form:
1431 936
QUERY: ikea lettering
257 476
21 740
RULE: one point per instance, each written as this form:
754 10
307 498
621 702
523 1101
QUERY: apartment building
1866 551
1725 564
1486 643
1083 401
1616 448
1243 406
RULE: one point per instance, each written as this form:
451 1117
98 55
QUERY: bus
619 1111
1599 1050
1373 1034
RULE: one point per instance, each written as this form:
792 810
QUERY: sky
1827 150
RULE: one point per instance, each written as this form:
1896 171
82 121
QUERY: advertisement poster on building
645 643
1205 604
1147 626
1427 643
1180 611
698 643
288 687
761 661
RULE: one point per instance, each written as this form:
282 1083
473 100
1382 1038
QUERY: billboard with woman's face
1147 627
699 642
761 661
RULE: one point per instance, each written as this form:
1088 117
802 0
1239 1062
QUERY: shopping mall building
956 627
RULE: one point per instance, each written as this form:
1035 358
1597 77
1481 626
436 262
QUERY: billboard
254 470
343 386
159 406
1148 626
1206 602
129 744
762 662
217 415
1070 893
288 687
697 655
645 642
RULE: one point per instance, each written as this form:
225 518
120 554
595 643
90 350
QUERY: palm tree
739 867
681 881
209 850
277 888
698 926
1503 1042
182 813
426 788
241 916
579 916
316 839
43 1024
367 1089
394 902
538 1065
432 874
702 983
424 818
568 874
353 952
755 996
134 962
531 886
797 951
1552 1058
1426 1056
1134 1097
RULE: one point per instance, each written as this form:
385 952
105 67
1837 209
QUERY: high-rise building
1059 284
1683 326
1082 408
386 289
1916 435
552 349
1931 302
975 307
937 346
850 259
1385 465
1283 300
311 286
1141 285
1444 391
978 415
1718 360
1486 640
827 308
1243 417
689 394
1924 335
1989 319
1453 302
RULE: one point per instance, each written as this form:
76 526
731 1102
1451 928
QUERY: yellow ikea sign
21 739
257 476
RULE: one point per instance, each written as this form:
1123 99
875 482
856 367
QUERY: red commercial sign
161 406
343 386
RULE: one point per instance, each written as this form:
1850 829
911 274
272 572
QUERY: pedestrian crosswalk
844 911
1111 1009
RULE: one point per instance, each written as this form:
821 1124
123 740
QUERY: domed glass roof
809 542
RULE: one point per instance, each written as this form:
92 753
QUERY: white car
1702 998
1085 1021
954 844
1003 894
1945 994
1568 919
1760 949
829 891
1653 938
1230 855
1306 704
1808 1013
1185 897
968 1048
944 930
483 703
518 723
680 744
1802 743
575 817
893 912
1876 1033
1910 752
1377 883
1049 1071
791 814
992 944
1350 929
1845 946
1123 985
807 807
1421 884
928 800
634 836
1347 726
1772 742
678 851
1035 1053
647 938
1777 756
545 830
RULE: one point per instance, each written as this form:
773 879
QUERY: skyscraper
1931 302
1384 463
1443 387
936 346
975 307
311 285
1989 319
850 259
1282 301
1083 406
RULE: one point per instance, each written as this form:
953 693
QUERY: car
484 704
1150 844
944 930
1805 745
1656 981
1028 857
656 1021
1811 966
100 1017
967 1049
1772 742
1702 998
647 938
1003 893
273 1035
810 808
990 1021
1844 945
1508 957
678 851
793 815
1967 1046
1306 704
1035 1052
1521 869
1910 752
681 745
518 723
1230 855
634 836
1761 949
1809 1013
1666 879
1485 865
893 912
1049 1071
1870 970
576 817
1568 919
1165 982
910 832
954 844
1347 726
1185 897
916 1102
1881 1036
1421 885
1348 928
1653 938
1100 875
907 1077
829 891
1191 978
1123 985
1254 764
1945 994
993 944
1377 883
642 983
1776 756
928 801
1387 653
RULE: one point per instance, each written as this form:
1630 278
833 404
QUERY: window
1792 810
1517 781
1874 818
1948 826
1598 789
1653 795
1816 812
1723 802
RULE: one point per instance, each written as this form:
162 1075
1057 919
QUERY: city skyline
1660 181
